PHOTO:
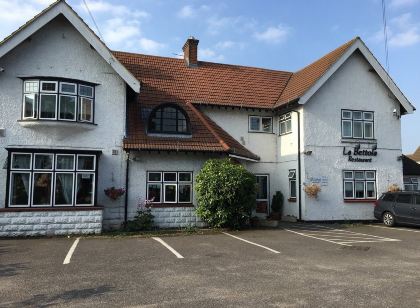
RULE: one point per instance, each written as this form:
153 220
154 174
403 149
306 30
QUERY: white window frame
74 162
344 187
52 161
374 189
167 172
148 178
21 153
366 179
284 119
59 107
29 188
147 192
30 81
86 86
351 128
292 176
85 170
48 91
366 117
176 191
182 182
74 188
93 188
40 105
260 121
33 188
68 93
259 124
81 114
34 106
364 189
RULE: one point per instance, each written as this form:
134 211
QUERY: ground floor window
45 179
411 184
169 187
359 184
292 183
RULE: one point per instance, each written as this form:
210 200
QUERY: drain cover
361 248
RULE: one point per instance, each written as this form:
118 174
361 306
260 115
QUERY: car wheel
388 219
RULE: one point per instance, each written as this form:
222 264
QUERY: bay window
39 179
58 100
359 184
357 124
169 187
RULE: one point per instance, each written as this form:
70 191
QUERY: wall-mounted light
1 69
374 147
309 152
399 158
357 147
395 113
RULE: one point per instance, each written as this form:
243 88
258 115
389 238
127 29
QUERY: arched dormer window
168 119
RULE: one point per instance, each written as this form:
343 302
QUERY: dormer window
168 119
58 100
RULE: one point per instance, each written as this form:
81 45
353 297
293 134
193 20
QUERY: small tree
226 193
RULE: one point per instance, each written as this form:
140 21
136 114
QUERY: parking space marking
71 251
393 228
176 253
337 236
252 243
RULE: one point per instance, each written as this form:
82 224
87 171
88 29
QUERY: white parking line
252 243
71 251
318 238
176 253
393 228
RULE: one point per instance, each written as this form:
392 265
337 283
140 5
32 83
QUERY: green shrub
226 193
277 202
144 220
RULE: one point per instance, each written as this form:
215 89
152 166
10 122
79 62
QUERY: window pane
47 105
283 129
347 127
184 177
267 125
31 86
85 91
368 130
359 175
43 161
86 162
64 188
360 189
292 174
370 190
292 186
155 125
42 189
19 190
357 115
67 107
68 88
417 199
348 174
254 123
86 105
346 114
64 162
182 126
84 188
169 176
21 161
185 192
30 105
288 126
48 86
170 193
155 176
262 187
154 192
169 125
368 116
406 198
370 175
358 129
348 190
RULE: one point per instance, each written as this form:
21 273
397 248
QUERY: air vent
2 132
115 152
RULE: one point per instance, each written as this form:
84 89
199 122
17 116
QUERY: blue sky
284 35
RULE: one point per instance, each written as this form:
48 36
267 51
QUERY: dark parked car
398 208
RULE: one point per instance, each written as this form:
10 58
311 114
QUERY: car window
388 197
418 200
404 198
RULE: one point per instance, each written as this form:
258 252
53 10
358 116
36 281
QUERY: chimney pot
190 50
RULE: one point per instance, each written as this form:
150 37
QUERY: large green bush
226 193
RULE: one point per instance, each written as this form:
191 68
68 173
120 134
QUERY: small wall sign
360 152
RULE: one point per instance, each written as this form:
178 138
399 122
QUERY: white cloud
100 7
209 55
150 46
118 30
186 12
402 3
229 45
273 34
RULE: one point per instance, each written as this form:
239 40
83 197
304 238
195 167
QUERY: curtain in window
64 188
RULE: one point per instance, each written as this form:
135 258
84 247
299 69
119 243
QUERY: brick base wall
49 223
176 217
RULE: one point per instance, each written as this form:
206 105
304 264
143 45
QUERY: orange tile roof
170 80
416 155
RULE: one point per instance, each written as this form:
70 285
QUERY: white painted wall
58 50
353 86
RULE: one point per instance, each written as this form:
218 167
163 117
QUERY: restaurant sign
358 155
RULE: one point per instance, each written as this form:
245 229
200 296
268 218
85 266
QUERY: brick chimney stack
190 50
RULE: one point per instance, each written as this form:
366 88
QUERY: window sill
359 200
258 132
52 209
356 140
163 205
57 124
291 199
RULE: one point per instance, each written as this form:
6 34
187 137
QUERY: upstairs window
259 124
58 100
285 124
357 124
168 119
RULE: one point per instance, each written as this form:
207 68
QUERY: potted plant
394 188
114 193
312 190
277 206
